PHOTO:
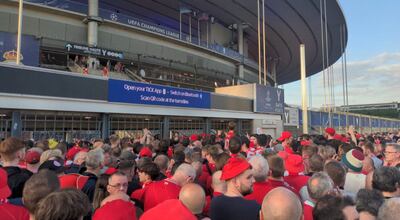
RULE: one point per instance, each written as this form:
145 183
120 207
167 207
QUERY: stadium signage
76 48
291 117
152 28
268 99
149 94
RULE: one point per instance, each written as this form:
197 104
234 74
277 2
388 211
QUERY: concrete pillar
16 124
165 128
240 49
105 126
93 19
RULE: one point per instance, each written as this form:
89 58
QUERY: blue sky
373 56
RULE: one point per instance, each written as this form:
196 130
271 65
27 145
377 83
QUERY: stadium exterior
87 60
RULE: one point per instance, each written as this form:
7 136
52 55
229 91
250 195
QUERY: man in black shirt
239 177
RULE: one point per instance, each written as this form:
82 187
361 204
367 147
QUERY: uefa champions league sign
268 99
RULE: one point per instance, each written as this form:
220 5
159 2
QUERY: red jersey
297 181
13 212
159 191
170 209
308 207
260 189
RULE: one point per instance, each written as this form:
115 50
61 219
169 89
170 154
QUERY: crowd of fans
215 176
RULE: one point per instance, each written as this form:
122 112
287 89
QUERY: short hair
186 169
62 147
245 140
150 169
46 155
213 150
316 163
331 207
345 147
221 160
336 172
276 166
164 145
386 179
64 204
235 145
260 168
390 209
309 150
94 158
369 201
326 152
9 147
39 186
262 139
319 185
161 161
370 146
231 125
394 145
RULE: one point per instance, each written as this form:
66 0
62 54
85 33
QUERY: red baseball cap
194 137
285 135
305 143
234 167
5 191
338 137
330 131
110 171
72 152
32 157
73 180
145 152
117 210
169 209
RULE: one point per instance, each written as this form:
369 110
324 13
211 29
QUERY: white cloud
374 80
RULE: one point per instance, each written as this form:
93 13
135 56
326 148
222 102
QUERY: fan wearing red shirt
286 139
190 203
159 191
267 179
8 211
319 185
295 167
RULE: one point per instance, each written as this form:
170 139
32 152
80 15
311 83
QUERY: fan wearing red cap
330 133
8 211
295 167
239 178
286 138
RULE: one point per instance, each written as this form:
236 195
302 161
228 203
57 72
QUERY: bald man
191 202
219 188
280 203
159 191
193 197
